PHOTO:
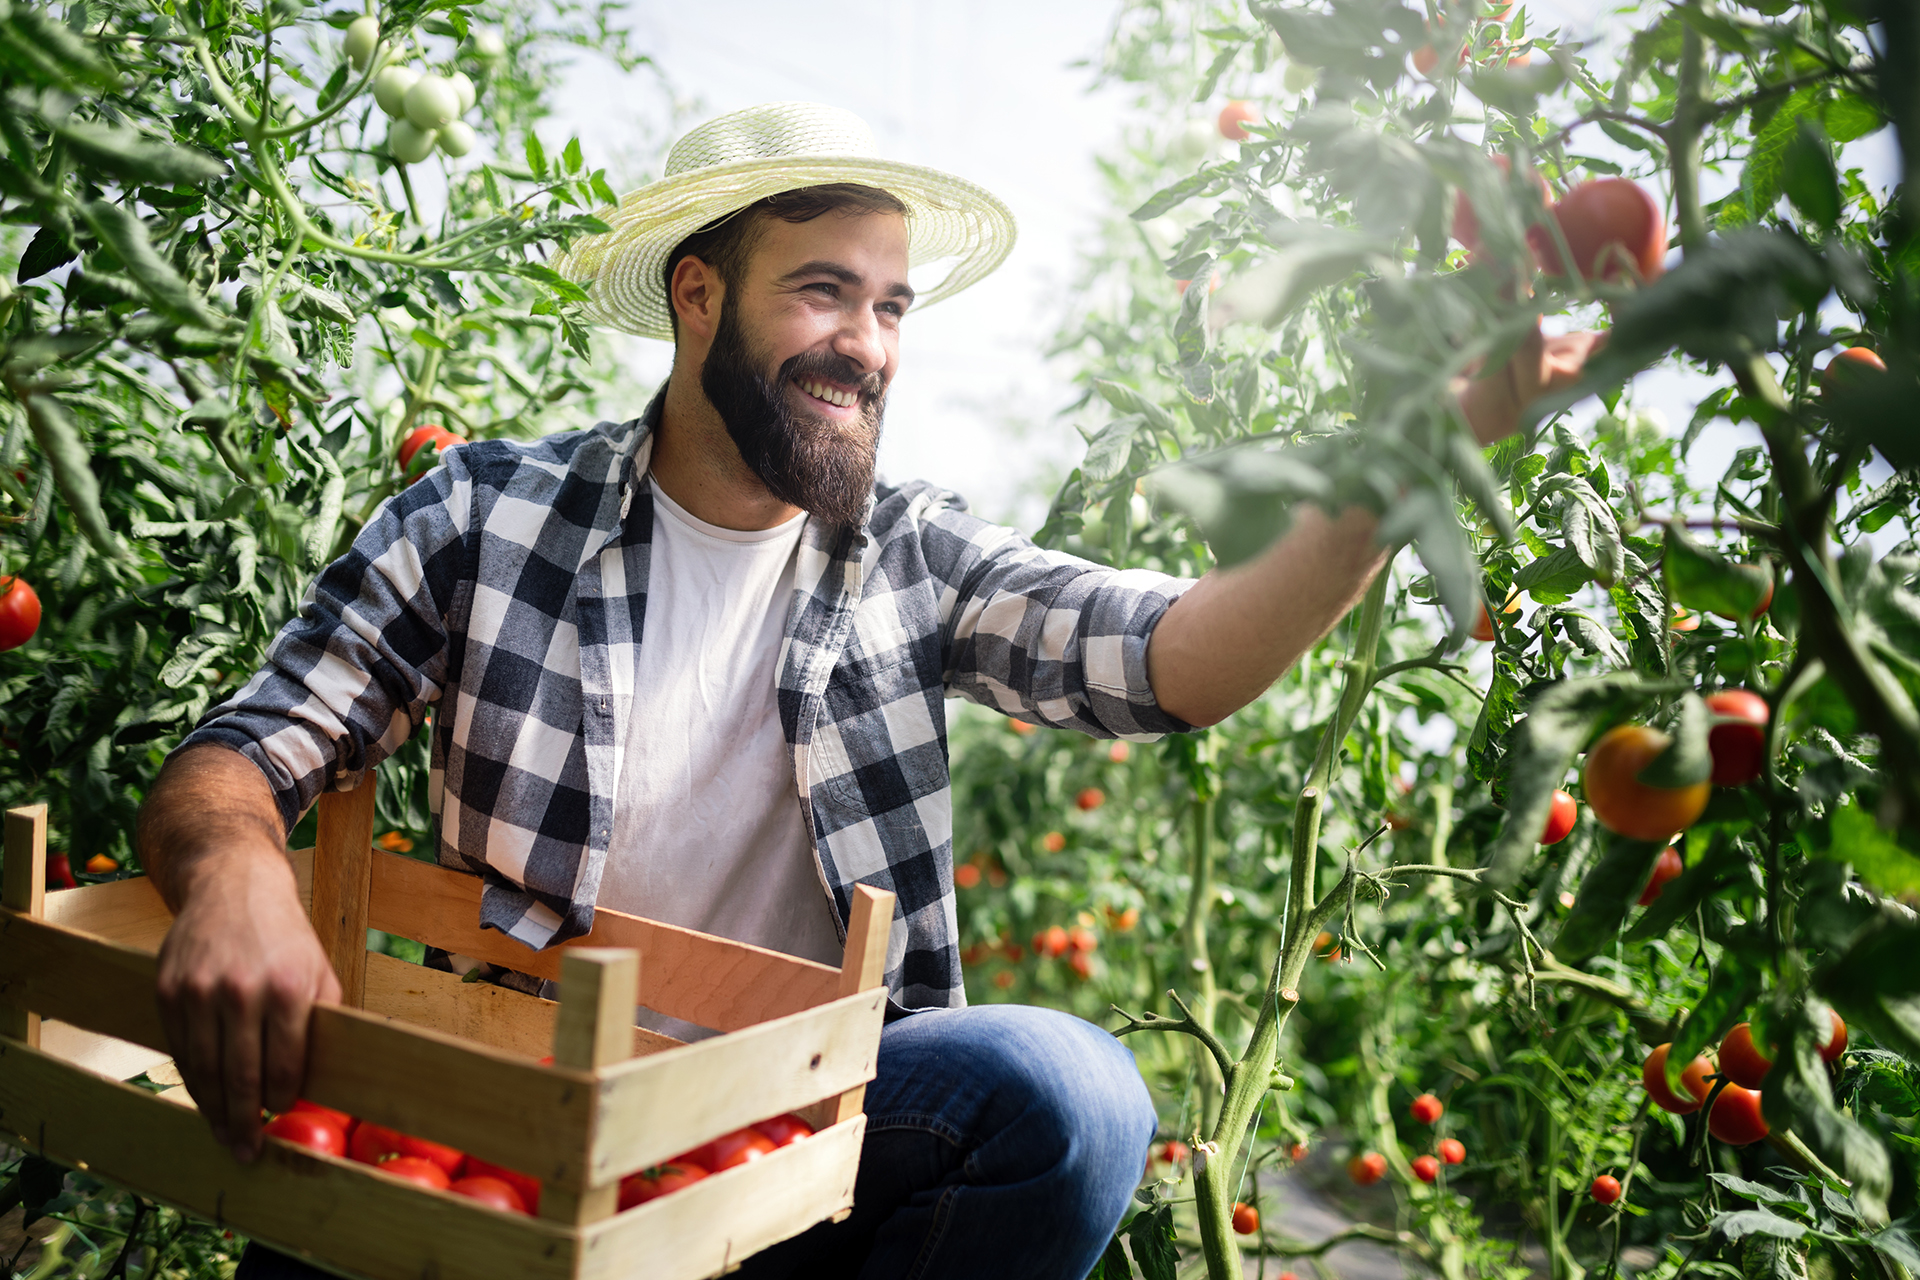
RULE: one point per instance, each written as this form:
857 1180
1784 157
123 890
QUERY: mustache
831 366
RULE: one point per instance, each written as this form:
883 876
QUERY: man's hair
726 244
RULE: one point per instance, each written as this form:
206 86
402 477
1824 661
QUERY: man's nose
859 340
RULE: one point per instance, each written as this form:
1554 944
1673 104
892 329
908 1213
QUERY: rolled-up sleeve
1044 636
350 676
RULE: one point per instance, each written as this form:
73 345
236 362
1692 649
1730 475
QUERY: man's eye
827 287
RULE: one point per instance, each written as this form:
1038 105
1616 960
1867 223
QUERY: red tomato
1741 1060
651 1184
1246 1219
340 1119
1605 1188
1082 939
1426 58
304 1129
1694 1080
1614 229
492 1192
1739 747
1234 117
415 1169
966 876
1055 941
19 612
527 1188
372 1143
1735 1118
785 1130
1560 818
432 433
60 872
728 1150
1426 1108
1090 799
1298 1152
1367 1169
1628 806
1836 1043
1081 963
1666 867
1852 366
1684 621
1766 602
1053 842
1426 1168
1466 229
1452 1150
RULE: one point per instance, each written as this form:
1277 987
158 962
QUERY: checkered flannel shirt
509 587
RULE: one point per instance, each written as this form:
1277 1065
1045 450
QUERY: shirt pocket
880 743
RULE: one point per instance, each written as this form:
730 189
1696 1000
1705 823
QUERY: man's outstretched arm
1224 642
242 968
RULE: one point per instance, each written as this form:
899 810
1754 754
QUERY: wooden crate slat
704 1229
132 913
342 855
23 888
369 1223
708 981
654 1108
477 1011
102 1055
425 1082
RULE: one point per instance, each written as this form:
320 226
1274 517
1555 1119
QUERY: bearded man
692 667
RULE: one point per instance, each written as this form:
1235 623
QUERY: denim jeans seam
916 1121
935 1234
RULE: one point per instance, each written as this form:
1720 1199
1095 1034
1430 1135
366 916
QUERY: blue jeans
1002 1141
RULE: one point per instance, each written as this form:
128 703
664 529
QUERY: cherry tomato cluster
1735 1118
729 1151
417 1160
444 1168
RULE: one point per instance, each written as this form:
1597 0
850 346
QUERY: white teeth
821 391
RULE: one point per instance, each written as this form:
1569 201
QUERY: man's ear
695 293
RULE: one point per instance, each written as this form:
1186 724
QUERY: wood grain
696 977
102 1055
354 1218
709 1227
23 888
426 1082
869 928
342 882
599 987
132 912
654 1108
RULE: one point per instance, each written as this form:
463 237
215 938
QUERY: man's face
806 346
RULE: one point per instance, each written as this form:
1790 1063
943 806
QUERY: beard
806 460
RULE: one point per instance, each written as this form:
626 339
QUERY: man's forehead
872 244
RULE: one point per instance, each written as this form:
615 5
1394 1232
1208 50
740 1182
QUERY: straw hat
728 163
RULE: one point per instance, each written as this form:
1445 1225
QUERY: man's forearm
1224 642
209 804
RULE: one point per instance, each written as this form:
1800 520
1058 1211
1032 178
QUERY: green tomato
409 143
464 88
489 44
363 37
433 102
457 138
390 89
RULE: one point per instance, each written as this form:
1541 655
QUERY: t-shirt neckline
694 524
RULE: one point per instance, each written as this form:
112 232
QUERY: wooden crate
424 1052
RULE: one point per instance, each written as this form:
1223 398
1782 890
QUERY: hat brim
623 270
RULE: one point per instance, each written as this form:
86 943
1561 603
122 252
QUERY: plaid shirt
509 586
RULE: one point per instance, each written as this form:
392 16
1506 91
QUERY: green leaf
1108 451
133 157
59 440
1811 182
1730 991
1242 498
1745 1222
1127 400
1799 1095
1725 863
1113 1263
1687 761
1877 858
1221 62
1313 259
1154 1243
536 155
166 290
1561 573
1606 892
1205 182
1426 518
1699 577
570 159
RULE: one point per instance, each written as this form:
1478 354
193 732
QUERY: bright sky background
986 90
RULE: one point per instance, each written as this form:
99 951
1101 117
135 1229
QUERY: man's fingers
240 1034
286 1046
200 1067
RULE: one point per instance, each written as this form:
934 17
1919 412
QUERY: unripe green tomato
457 138
464 88
489 44
390 89
409 143
433 102
1299 77
363 37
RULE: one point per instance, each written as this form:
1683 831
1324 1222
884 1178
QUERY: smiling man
693 667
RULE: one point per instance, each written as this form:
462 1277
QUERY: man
693 666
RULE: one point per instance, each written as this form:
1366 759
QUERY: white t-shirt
707 830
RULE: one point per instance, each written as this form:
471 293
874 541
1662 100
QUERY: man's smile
829 396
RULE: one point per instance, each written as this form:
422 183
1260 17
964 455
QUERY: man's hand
1493 404
241 968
